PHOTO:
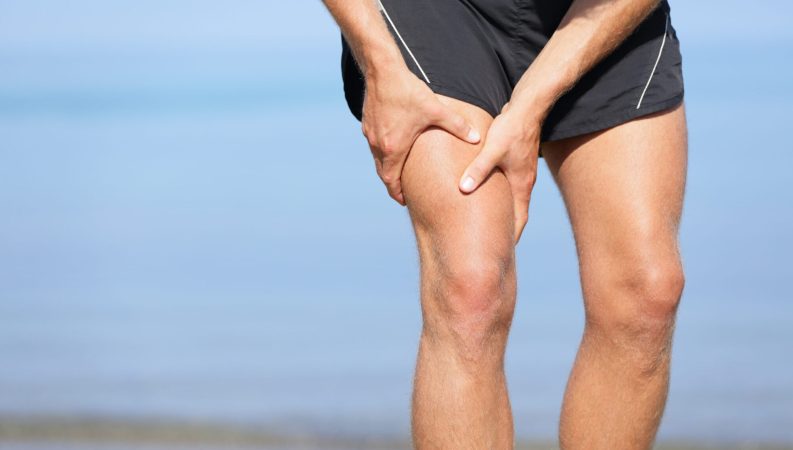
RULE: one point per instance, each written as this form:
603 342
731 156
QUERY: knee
638 305
474 305
656 288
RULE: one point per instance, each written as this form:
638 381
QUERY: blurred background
196 251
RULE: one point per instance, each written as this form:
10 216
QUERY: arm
397 105
365 30
590 30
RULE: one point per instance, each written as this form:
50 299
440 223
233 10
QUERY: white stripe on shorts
663 41
402 40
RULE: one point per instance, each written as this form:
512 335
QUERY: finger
392 177
382 156
378 164
521 216
521 188
479 168
454 123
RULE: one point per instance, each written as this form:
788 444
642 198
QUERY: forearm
590 30
367 34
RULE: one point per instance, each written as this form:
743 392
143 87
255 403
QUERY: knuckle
372 143
390 177
532 179
393 190
388 174
388 144
434 109
458 122
521 161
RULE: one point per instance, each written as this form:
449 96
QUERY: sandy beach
19 433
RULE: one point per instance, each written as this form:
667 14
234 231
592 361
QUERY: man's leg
468 288
623 189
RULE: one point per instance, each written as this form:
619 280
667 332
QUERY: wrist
536 97
531 105
379 62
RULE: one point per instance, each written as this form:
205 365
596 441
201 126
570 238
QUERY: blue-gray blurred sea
203 236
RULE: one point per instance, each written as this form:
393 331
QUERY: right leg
468 289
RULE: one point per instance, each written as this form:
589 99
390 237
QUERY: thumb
479 169
455 124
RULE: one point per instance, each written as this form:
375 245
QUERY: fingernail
473 135
468 183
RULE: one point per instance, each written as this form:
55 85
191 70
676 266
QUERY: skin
625 226
589 31
468 288
397 106
623 189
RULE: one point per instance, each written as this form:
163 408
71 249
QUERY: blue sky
84 79
48 24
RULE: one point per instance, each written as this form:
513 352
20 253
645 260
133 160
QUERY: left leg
623 189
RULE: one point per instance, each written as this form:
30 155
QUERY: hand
512 144
397 107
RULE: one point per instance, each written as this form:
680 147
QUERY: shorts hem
463 96
614 120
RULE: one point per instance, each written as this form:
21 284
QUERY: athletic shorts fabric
477 50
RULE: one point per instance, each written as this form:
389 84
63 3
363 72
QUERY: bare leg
468 288
623 189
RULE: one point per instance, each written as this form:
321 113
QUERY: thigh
469 233
623 188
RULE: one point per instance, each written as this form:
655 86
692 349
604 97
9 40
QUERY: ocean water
202 236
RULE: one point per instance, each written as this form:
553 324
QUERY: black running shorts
477 50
